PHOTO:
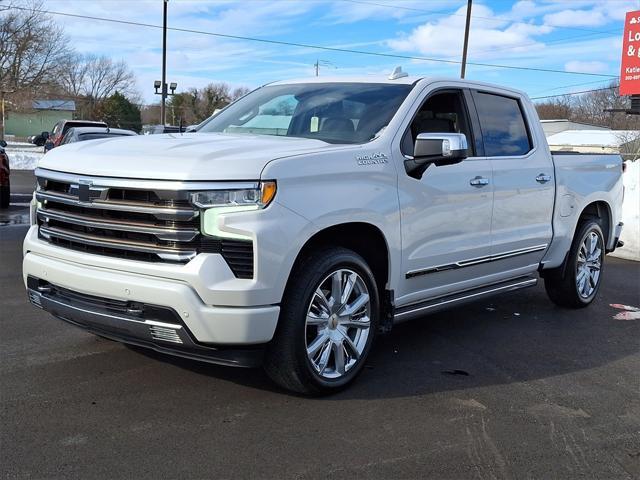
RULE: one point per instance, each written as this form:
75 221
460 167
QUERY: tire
311 323
5 196
567 285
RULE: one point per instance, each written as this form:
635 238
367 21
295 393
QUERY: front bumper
130 322
208 325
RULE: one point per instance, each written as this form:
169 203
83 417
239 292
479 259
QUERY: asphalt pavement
511 387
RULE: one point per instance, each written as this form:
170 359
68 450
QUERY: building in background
625 142
552 127
40 118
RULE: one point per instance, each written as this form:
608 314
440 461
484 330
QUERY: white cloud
586 66
490 36
577 18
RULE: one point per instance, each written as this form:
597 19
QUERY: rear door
523 182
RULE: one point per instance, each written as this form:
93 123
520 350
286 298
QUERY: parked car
292 242
39 140
5 172
158 129
81 134
60 129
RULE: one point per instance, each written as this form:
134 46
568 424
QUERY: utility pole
322 63
2 106
466 40
3 116
164 63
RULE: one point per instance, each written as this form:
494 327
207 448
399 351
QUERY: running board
440 303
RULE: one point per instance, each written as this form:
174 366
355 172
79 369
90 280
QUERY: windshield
332 112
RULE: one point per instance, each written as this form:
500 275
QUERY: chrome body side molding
474 261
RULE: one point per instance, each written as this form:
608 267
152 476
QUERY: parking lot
512 387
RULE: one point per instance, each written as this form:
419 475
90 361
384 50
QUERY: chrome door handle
479 181
542 178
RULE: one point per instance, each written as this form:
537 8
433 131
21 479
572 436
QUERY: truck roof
408 80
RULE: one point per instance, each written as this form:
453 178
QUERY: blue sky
567 35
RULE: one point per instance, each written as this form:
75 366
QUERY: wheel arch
599 209
368 241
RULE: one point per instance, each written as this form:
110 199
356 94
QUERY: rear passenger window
504 131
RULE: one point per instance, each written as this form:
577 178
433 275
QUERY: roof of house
566 120
599 138
66 105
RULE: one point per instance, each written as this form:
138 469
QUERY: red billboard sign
630 71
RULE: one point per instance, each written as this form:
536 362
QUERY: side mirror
44 135
435 148
3 143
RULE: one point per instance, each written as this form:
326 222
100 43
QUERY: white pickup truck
310 215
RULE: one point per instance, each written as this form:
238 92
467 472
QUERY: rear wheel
327 323
576 283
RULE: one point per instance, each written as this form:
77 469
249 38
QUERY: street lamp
157 85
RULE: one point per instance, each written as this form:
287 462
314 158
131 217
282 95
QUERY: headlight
215 204
258 197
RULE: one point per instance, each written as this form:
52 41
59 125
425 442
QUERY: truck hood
191 156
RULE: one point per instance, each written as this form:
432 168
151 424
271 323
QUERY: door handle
543 178
479 181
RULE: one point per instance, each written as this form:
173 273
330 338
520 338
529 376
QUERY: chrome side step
440 303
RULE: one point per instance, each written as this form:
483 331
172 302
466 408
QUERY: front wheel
575 284
328 320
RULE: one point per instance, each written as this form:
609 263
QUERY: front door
446 214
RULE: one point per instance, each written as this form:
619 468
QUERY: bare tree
555 109
73 74
629 141
91 79
104 76
195 105
592 107
31 47
239 92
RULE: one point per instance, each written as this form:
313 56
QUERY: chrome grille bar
164 213
164 253
162 233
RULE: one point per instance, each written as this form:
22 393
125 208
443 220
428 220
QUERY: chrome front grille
107 217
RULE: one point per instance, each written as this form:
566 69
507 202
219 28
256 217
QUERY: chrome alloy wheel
589 264
337 325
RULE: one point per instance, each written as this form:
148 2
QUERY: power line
568 86
496 18
316 47
576 93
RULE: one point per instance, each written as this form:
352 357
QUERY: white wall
631 214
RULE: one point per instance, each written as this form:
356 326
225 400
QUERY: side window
504 130
441 113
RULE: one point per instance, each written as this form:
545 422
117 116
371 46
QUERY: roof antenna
397 73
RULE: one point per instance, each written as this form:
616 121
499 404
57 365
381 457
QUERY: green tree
119 112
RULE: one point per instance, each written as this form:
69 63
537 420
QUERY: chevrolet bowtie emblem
84 187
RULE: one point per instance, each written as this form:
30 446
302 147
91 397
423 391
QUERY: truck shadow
518 337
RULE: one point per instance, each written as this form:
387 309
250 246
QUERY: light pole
164 62
162 89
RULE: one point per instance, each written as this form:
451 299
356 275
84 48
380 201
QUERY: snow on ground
631 214
23 156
